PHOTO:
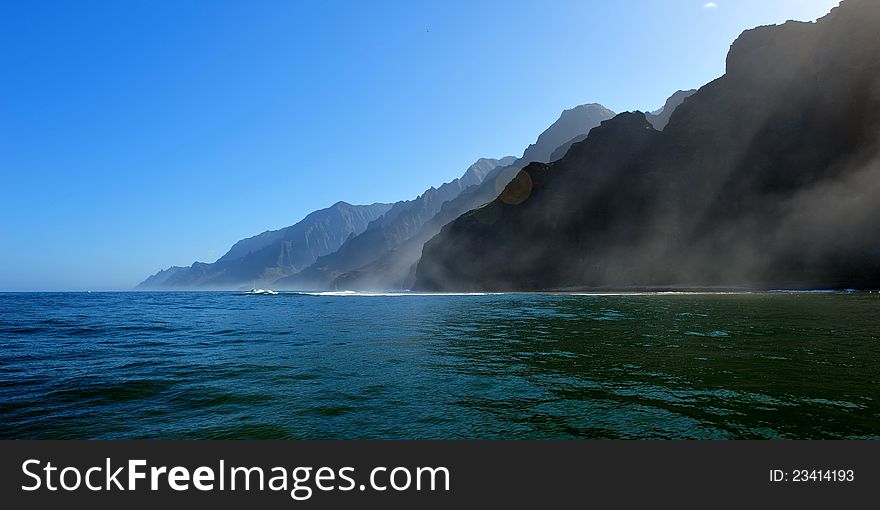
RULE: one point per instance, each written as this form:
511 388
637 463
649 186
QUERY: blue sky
139 135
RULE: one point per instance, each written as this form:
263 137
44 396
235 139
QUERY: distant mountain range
350 235
275 253
767 177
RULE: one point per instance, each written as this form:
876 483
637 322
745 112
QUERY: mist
765 178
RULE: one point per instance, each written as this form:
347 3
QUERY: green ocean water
224 365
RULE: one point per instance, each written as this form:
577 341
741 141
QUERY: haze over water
224 365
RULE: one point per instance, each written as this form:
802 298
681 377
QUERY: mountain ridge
387 232
761 179
264 256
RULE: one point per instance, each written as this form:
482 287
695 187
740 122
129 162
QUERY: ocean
223 365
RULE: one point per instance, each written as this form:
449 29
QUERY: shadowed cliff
764 178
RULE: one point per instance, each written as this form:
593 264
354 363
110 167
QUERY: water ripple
221 366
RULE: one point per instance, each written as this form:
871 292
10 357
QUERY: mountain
572 122
395 269
403 221
660 118
272 254
764 178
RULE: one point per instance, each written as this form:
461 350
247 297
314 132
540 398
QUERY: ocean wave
351 293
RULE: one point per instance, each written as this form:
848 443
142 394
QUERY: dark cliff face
765 178
522 239
275 253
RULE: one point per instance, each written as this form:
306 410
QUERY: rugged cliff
764 178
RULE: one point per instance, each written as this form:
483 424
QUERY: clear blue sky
138 135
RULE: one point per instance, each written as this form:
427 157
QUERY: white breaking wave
351 293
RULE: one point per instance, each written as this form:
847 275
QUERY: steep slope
275 253
395 269
765 178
